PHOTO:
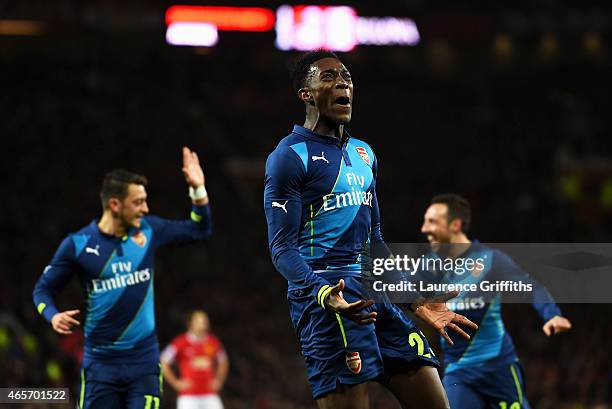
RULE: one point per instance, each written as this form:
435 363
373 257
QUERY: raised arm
194 176
199 226
54 278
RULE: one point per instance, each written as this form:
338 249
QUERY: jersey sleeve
170 352
285 173
541 300
179 232
55 277
375 233
220 353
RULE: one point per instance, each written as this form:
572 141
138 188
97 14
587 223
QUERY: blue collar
307 133
94 225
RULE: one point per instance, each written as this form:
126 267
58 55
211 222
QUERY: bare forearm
169 375
201 202
223 371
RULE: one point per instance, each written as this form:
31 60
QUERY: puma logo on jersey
282 206
322 157
95 251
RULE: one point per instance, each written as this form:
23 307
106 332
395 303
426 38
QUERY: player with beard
484 371
321 208
113 259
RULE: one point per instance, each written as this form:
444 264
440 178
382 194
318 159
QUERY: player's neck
111 225
460 244
316 124
197 335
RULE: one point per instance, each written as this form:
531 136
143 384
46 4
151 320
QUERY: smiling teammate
483 372
113 259
321 207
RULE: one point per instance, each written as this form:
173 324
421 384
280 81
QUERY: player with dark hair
321 208
457 208
113 259
202 362
483 372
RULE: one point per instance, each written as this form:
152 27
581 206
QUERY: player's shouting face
130 210
436 225
330 90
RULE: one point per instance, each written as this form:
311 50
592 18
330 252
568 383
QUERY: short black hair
116 184
301 68
458 208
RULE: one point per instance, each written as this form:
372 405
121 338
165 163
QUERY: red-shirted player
202 363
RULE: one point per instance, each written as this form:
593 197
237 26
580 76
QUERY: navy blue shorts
121 386
487 386
339 351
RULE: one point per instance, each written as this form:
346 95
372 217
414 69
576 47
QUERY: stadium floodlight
192 34
224 18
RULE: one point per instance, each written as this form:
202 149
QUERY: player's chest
102 257
335 169
198 356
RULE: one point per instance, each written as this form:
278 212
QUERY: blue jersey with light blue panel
116 275
491 343
321 207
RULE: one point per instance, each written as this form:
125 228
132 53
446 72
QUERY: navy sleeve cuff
47 311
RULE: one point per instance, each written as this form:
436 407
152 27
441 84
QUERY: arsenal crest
364 155
140 239
353 361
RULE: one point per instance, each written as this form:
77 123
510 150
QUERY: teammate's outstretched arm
541 299
556 325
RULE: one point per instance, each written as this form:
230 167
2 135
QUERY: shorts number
415 339
514 405
151 399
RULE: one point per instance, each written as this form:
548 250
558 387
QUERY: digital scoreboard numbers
303 28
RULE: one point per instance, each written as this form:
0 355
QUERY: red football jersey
197 360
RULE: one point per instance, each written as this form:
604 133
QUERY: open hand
435 313
194 176
182 384
353 311
556 325
62 322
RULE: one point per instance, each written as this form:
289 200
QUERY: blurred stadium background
506 104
